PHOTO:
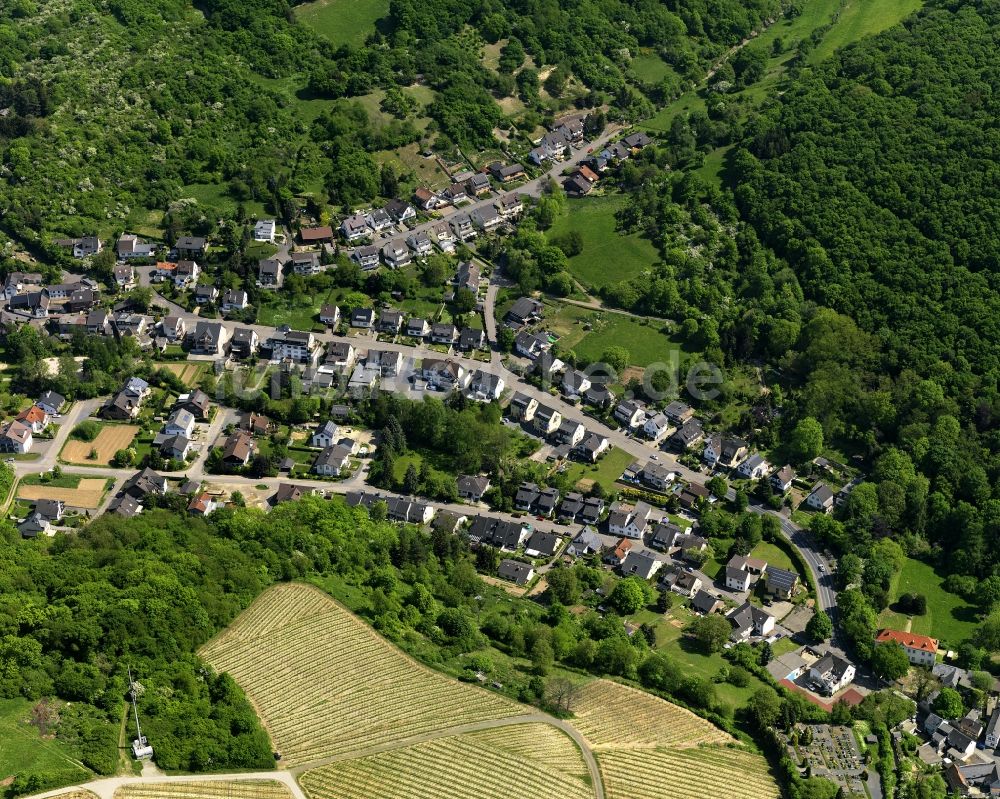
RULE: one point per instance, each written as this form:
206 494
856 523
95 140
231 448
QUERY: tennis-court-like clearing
324 683
206 789
112 438
88 492
524 761
607 256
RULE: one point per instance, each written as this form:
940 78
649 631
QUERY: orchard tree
711 632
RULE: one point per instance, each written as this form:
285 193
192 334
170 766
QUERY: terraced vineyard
649 720
206 789
692 773
324 683
524 761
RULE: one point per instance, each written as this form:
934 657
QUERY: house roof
334 455
32 415
239 446
922 642
704 602
52 399
469 484
545 543
781 579
316 233
515 571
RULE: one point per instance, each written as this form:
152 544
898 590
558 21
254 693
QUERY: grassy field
645 343
691 773
342 21
263 789
650 68
523 761
188 372
87 492
860 18
324 683
216 196
774 555
280 308
949 618
606 471
23 749
112 438
650 721
607 256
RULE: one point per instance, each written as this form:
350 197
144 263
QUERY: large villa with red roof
920 649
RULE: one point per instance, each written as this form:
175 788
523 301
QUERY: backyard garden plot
112 438
325 684
716 771
609 714
206 789
484 764
187 373
87 493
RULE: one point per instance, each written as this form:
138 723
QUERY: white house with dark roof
820 498
355 228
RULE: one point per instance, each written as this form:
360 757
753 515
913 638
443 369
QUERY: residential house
174 447
306 263
542 545
340 356
244 343
575 383
289 492
389 321
780 582
687 435
400 210
577 186
546 420
97 323
657 475
468 276
686 584
593 509
599 396
51 402
125 405
367 257
723 450
386 363
509 206
616 555
238 450
642 564
362 317
396 254
269 273
443 333
832 673
515 572
586 542
522 407
332 460
325 435
409 511
820 498
443 237
425 199
181 422
144 483
203 295
636 141
692 495
442 374
254 423
526 496
992 738
35 417
234 300
378 220
297 346
355 228
471 338
678 413
547 500
570 506
455 194
329 315
738 580
484 386
322 234
130 246
531 345
782 479
209 338
34 304
749 620
486 219
15 437
656 426
461 225
631 413
21 282
203 504
478 185
186 273
592 447
123 276
263 230
420 242
570 432
921 650
172 328
190 247
524 311
754 467
80 300
472 487
506 173
706 603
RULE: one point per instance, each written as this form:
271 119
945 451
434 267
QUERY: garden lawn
607 256
606 471
949 618
774 555
23 749
342 21
301 313
650 68
645 343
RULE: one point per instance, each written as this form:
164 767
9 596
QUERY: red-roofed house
920 649
35 418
